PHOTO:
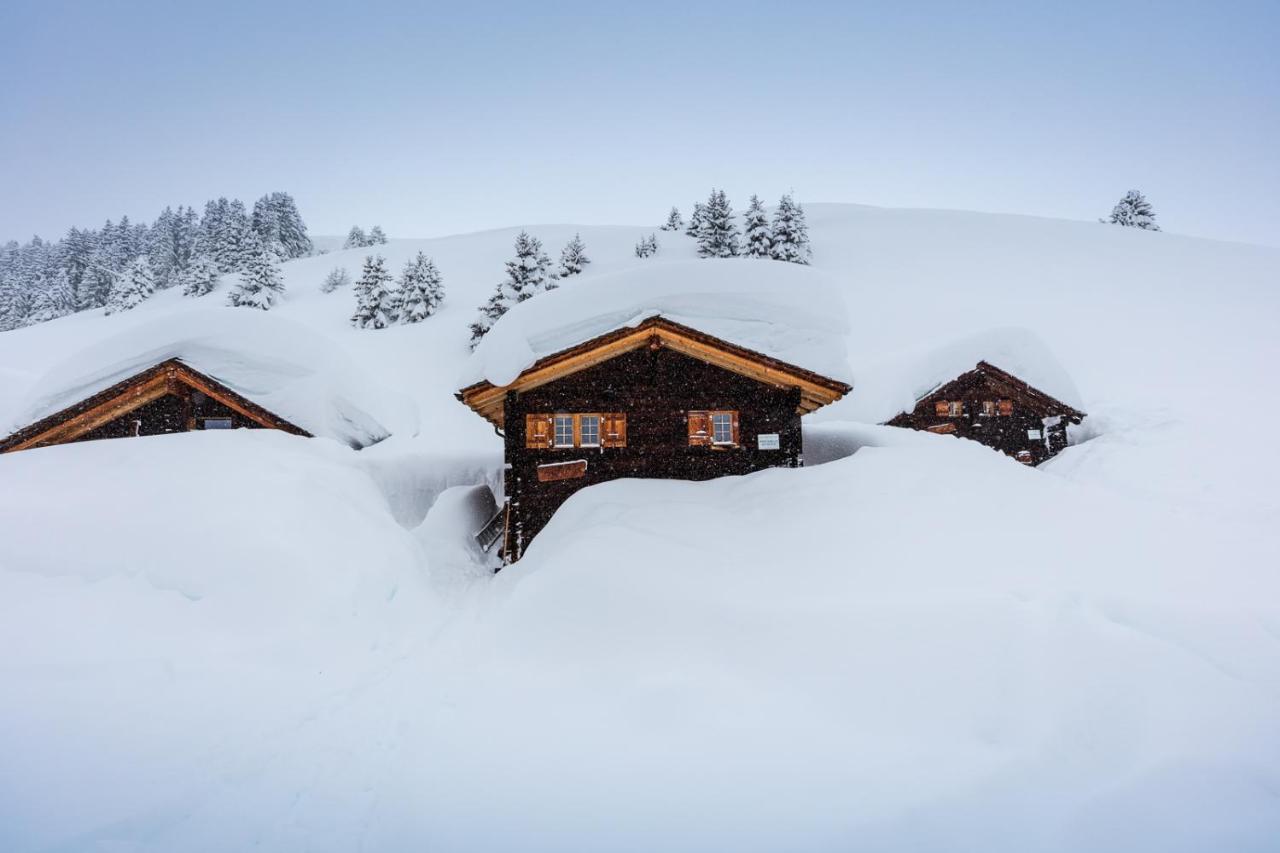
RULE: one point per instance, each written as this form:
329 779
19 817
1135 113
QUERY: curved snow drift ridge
281 365
792 313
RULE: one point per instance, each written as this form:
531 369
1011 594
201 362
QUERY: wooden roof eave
131 393
816 390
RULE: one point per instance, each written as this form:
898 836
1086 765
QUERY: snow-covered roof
786 311
892 385
280 365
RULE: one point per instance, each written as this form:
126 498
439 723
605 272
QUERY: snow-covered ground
215 641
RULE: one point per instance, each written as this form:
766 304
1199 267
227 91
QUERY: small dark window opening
217 423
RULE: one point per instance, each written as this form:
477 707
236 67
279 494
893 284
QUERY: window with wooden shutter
1006 407
942 408
537 430
615 430
699 428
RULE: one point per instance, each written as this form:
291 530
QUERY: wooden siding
1018 410
654 389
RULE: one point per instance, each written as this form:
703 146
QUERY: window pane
722 428
564 430
589 425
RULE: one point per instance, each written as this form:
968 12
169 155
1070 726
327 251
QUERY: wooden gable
1004 388
169 377
816 390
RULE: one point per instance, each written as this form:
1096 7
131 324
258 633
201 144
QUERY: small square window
722 427
989 407
589 431
1033 433
564 430
217 423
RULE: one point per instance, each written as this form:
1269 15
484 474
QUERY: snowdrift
221 641
277 364
786 311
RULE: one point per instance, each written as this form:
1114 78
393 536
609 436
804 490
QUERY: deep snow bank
787 311
278 364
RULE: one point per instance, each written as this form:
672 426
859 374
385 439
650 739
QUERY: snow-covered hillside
216 641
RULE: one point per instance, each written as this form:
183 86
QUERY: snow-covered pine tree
200 277
718 236
647 247
527 276
376 237
15 303
356 238
695 220
1133 211
293 231
573 257
129 289
377 304
674 222
421 290
759 236
337 277
790 233
235 240
260 285
53 299
266 224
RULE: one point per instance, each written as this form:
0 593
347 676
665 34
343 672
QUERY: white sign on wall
767 441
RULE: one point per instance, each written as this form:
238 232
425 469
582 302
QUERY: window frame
556 420
578 432
724 417
230 423
708 439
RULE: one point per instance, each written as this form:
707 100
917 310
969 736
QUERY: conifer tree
200 277
718 236
260 285
337 277
130 288
377 303
356 238
790 233
759 237
527 276
647 247
1134 211
376 237
53 299
421 290
573 257
695 220
674 222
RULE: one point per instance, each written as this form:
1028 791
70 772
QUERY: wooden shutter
613 428
1006 407
942 408
699 428
538 430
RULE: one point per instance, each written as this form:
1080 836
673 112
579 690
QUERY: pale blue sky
439 118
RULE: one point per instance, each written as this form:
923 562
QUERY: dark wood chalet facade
997 409
169 397
657 400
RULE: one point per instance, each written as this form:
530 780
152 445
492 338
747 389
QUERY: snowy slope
916 642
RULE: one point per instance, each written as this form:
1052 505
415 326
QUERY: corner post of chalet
656 400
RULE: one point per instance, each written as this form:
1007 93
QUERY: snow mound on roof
786 311
282 366
892 385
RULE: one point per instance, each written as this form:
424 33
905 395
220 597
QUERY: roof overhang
816 390
131 393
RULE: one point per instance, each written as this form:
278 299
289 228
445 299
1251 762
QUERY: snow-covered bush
1133 211
674 221
647 247
337 277
573 257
